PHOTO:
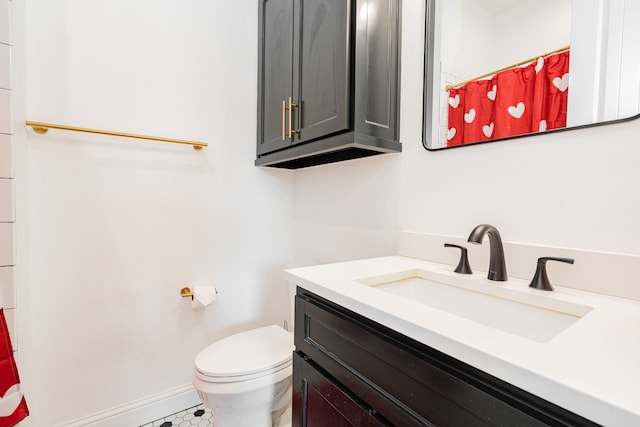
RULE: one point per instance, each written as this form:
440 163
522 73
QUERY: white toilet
246 378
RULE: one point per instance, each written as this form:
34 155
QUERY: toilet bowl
246 378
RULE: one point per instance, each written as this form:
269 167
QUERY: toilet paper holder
187 292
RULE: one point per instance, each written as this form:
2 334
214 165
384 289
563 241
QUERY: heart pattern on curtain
513 102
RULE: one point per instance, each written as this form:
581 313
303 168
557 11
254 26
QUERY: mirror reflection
497 69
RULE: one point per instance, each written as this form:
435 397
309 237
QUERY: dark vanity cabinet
351 371
328 81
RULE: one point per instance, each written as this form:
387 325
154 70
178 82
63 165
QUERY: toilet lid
255 351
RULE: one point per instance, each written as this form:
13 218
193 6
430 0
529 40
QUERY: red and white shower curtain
520 100
13 407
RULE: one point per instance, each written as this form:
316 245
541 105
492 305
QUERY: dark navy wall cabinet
328 81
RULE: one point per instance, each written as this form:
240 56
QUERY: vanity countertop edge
591 368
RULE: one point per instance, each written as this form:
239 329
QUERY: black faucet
497 267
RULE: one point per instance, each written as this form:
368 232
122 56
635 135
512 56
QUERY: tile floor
198 416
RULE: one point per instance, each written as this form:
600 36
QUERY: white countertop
592 368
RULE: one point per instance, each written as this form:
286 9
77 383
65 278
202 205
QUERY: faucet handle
540 279
463 265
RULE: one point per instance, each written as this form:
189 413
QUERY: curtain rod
42 128
526 61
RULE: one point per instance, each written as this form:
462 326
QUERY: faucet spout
497 266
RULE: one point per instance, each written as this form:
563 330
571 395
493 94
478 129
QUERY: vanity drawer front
391 372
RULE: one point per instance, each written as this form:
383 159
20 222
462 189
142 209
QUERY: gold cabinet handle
284 107
291 131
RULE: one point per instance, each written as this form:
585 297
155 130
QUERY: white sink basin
525 313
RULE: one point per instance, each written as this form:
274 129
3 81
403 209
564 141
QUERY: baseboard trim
141 411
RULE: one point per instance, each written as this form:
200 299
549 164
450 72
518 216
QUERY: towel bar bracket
40 130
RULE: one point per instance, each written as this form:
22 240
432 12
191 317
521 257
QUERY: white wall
575 189
475 41
607 86
530 29
347 210
466 37
117 226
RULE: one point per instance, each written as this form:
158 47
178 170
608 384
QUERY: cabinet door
321 77
275 68
318 401
377 68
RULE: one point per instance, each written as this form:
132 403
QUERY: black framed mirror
506 69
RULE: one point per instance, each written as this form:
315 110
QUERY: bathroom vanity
370 355
387 377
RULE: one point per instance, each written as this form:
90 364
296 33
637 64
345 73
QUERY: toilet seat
245 356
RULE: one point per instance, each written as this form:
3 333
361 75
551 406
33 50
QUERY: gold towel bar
41 128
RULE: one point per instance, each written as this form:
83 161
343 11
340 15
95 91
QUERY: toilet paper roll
203 296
